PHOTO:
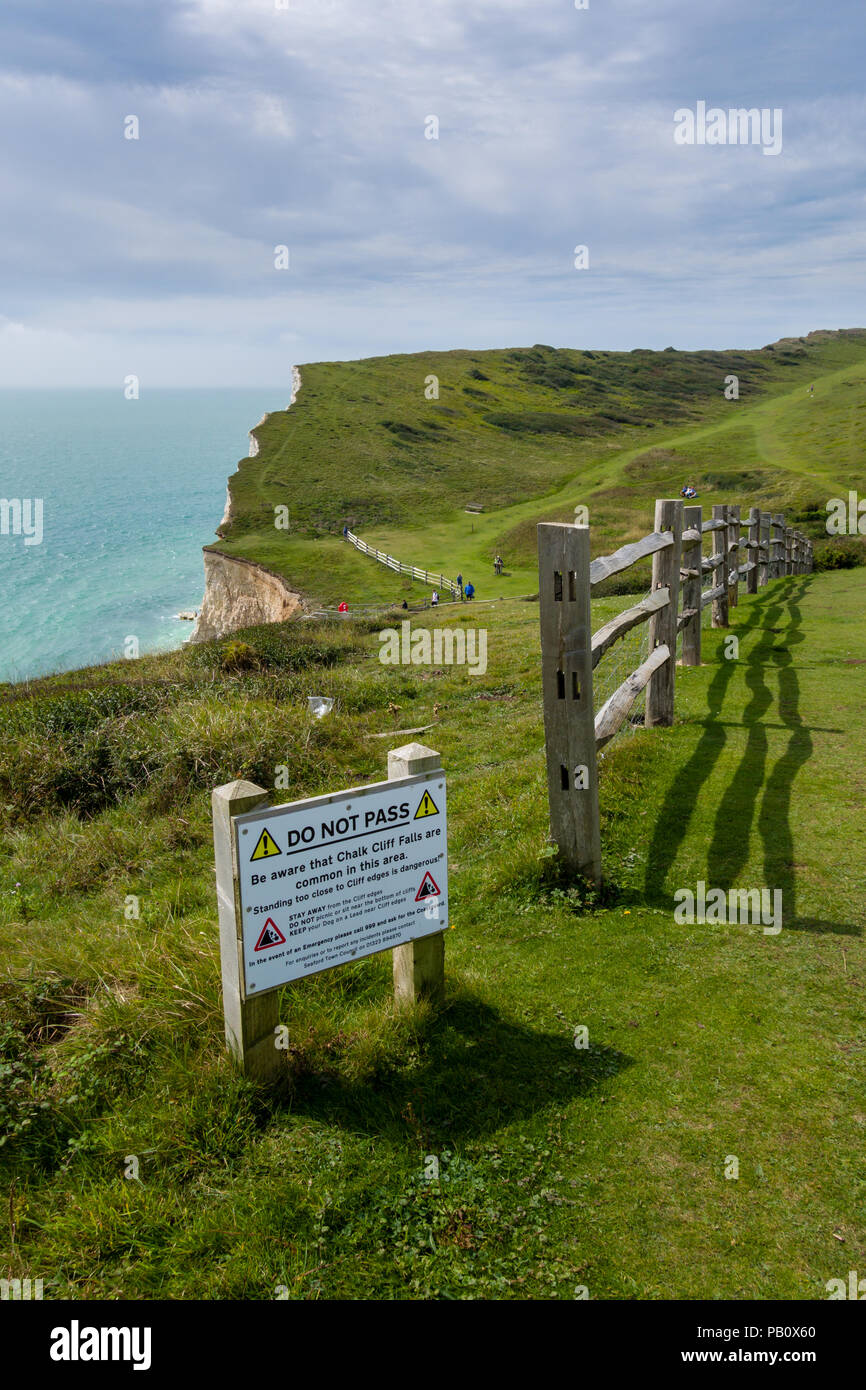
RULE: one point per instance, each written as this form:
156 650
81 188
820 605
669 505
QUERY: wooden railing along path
571 651
436 581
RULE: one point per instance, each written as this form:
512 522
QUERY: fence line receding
765 550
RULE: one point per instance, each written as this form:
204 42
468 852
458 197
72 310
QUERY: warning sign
428 889
266 847
271 936
426 807
357 874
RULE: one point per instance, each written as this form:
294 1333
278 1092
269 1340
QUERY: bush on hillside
845 554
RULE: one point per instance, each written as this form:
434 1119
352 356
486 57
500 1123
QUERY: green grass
559 1167
543 431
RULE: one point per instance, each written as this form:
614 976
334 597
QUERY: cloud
306 126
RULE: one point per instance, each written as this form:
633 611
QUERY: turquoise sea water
131 491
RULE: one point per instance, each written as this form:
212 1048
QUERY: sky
306 124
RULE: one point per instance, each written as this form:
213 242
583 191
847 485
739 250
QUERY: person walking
469 591
460 585
497 564
435 599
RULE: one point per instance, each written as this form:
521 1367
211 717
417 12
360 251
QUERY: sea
130 491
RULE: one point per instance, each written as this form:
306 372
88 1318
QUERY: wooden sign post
249 1023
310 885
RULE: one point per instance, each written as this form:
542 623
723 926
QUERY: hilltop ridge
397 446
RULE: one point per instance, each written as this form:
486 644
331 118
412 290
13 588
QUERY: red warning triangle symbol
271 936
428 889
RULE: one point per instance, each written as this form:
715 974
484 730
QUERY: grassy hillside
558 1167
530 433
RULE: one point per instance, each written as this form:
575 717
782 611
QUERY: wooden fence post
566 674
733 549
663 623
419 966
692 584
764 552
720 572
788 564
753 552
777 545
250 1024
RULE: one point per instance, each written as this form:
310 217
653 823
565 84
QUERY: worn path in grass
786 436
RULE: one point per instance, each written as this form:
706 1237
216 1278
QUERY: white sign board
334 878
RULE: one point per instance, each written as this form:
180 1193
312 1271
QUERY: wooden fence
436 581
571 651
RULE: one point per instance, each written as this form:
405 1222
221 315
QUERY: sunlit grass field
136 1162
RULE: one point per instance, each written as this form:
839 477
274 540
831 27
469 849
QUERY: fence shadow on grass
478 1071
753 790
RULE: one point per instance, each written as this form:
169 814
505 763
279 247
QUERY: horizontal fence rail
436 581
757 550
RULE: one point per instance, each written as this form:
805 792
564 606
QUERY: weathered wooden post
692 541
788 562
419 966
777 546
566 675
663 623
720 570
250 1024
764 552
753 551
733 548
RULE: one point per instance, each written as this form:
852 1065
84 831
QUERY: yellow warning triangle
426 807
265 848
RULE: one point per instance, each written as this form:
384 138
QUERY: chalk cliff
238 592
241 593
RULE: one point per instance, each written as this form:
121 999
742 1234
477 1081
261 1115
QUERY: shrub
238 656
843 555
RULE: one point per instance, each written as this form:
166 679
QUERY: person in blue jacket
469 590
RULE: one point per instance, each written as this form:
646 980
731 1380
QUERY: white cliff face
240 593
254 449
